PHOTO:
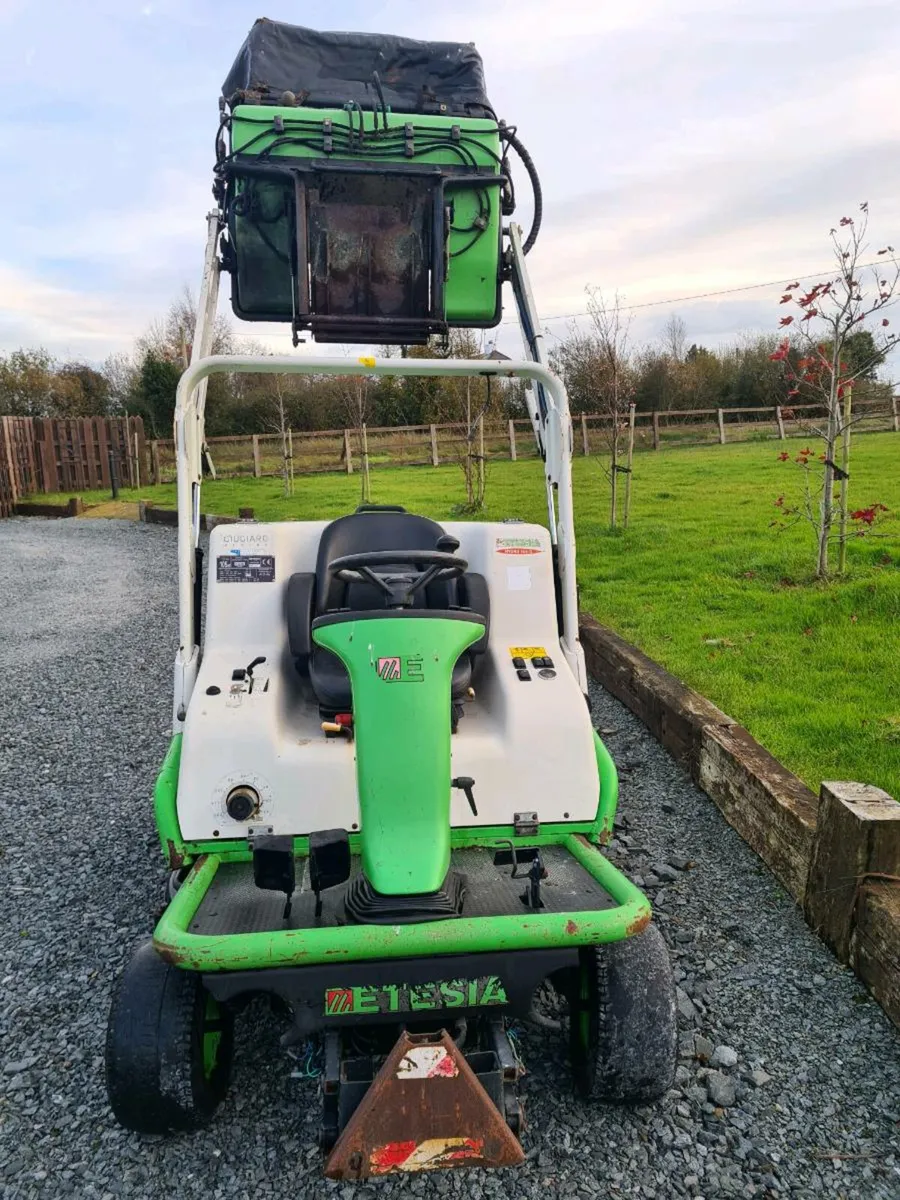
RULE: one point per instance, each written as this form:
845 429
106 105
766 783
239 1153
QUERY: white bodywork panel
528 745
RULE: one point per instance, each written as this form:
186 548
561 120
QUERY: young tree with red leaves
817 364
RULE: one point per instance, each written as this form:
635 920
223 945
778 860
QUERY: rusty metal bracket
526 824
425 1111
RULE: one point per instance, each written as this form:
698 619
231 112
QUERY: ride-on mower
384 804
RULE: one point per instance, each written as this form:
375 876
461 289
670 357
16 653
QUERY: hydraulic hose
528 162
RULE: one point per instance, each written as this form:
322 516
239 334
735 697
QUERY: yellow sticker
527 652
367 360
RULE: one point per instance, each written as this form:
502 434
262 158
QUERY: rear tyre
623 1032
168 1048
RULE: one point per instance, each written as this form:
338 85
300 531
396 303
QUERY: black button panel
523 675
518 663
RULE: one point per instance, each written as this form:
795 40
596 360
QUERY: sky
684 146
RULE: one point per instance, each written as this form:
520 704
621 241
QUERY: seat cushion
331 683
358 533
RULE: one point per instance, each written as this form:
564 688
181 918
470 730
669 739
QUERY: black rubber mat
234 904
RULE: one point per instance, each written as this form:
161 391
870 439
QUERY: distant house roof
496 356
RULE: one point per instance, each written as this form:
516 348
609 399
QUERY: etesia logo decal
421 997
395 669
518 545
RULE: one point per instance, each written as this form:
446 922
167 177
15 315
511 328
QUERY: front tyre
168 1048
623 1029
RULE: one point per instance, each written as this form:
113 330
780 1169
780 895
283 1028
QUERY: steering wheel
431 566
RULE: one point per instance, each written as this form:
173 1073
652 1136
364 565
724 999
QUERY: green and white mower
384 803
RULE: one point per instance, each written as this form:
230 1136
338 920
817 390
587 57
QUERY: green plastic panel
400 670
263 246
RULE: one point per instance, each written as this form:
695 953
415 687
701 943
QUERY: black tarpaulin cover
326 70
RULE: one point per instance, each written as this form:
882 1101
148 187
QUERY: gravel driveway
789 1077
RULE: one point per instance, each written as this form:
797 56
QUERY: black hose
528 162
377 80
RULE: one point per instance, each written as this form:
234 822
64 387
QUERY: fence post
512 440
780 420
585 444
348 456
857 840
721 415
435 461
154 461
896 411
256 469
137 460
656 431
7 443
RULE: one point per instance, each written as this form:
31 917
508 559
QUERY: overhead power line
747 287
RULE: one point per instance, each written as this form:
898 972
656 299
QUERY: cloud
682 147
73 323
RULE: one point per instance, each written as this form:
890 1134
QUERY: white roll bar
189 442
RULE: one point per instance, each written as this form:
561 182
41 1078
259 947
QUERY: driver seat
312 595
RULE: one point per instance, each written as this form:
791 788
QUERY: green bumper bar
358 943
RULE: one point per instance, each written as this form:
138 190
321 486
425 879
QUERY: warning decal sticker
527 652
245 568
518 545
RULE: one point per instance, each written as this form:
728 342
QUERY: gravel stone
87 639
724 1056
703 1048
720 1089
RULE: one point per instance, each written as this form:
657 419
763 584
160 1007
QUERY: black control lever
467 784
531 897
249 669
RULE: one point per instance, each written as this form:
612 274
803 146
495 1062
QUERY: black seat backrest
357 533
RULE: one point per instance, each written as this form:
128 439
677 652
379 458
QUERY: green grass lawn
702 584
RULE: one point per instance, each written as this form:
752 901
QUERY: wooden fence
330 450
50 455
44 454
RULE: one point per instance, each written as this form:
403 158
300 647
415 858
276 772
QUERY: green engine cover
400 670
262 222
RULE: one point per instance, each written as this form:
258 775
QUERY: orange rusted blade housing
425 1110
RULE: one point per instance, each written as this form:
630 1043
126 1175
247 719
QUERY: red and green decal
483 992
397 668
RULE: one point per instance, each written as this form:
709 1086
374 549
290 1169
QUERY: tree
84 391
614 384
157 381
164 351
824 362
282 428
355 393
26 383
674 338
464 401
121 375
